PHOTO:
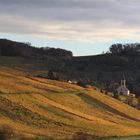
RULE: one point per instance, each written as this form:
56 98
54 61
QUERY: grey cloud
55 7
33 13
58 3
72 10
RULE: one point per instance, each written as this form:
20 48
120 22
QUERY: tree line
125 49
16 49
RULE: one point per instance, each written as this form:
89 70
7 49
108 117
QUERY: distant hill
107 70
104 71
17 49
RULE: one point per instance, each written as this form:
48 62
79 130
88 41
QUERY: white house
70 82
122 90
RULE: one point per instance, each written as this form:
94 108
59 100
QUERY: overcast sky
83 26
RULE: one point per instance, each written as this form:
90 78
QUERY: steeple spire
123 82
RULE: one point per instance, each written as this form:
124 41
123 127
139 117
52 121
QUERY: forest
16 49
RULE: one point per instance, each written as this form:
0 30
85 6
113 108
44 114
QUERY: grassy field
37 108
124 138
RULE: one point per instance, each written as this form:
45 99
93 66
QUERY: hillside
37 107
104 71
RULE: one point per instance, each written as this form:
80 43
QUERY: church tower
123 82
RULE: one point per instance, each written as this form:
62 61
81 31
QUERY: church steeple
123 82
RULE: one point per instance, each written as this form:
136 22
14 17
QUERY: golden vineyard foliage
34 106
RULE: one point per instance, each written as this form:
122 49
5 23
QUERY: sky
86 27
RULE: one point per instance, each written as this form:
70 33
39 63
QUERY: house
132 95
89 87
72 82
69 81
122 89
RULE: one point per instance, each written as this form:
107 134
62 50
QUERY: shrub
81 83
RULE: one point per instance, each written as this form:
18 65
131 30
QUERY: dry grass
39 107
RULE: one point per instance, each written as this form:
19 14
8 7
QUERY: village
121 93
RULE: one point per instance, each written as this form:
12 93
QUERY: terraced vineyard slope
36 107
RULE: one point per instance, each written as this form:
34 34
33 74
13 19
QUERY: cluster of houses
121 90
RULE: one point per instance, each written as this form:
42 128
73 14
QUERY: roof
124 88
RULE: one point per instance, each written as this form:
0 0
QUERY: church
123 90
